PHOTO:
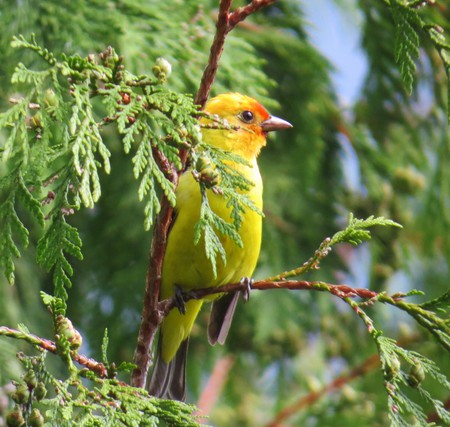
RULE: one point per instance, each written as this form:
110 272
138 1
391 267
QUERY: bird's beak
274 123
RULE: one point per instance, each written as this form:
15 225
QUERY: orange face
250 121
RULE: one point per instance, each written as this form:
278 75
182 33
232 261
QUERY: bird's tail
168 380
222 312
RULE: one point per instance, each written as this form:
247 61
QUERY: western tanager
185 264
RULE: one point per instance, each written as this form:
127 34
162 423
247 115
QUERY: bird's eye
247 116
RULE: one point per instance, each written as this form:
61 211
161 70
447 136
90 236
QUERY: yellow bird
186 265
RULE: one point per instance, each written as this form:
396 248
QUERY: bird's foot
247 282
180 299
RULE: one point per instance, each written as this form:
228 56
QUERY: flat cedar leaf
46 298
164 183
238 203
61 281
17 226
208 227
60 240
442 302
23 75
141 158
22 328
126 367
12 229
56 305
105 343
397 378
30 202
21 42
172 154
151 209
406 40
355 232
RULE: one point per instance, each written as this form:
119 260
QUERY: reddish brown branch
215 53
164 164
241 13
341 291
225 23
151 317
98 368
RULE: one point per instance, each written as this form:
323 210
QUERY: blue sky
336 33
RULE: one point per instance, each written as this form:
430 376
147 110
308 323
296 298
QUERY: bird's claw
248 283
179 299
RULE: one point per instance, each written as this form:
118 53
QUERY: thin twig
98 368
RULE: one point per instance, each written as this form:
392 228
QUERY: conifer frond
405 369
21 42
356 231
59 241
232 186
206 229
59 139
90 401
13 231
407 21
408 24
55 304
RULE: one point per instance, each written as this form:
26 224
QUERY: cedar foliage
83 129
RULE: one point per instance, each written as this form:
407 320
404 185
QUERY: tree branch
225 23
151 317
98 368
341 291
426 318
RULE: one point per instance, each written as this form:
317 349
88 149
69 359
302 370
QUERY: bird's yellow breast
186 264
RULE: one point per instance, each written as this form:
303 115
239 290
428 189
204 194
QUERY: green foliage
56 305
231 185
205 228
184 39
156 122
408 23
402 406
406 40
14 187
417 367
74 118
356 231
60 240
106 402
63 149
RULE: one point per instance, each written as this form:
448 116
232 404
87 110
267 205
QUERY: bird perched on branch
186 265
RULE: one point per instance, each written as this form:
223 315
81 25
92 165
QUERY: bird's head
249 124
